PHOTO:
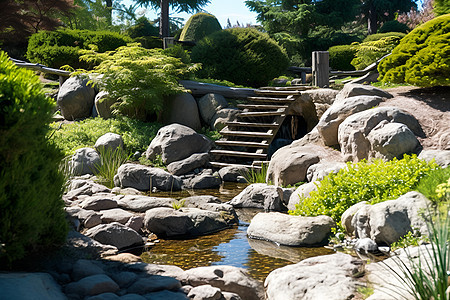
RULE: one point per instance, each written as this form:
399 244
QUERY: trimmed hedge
379 36
393 26
198 26
57 48
31 185
423 56
243 56
369 52
341 57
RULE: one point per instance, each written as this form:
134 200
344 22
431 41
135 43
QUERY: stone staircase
246 141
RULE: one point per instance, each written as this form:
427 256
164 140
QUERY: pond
227 247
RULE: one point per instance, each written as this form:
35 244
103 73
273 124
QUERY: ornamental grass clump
110 161
374 182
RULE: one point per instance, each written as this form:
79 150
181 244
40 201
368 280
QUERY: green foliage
373 182
110 161
379 36
60 47
256 175
149 42
213 135
178 204
369 52
198 26
441 7
219 82
341 57
443 191
143 27
407 240
136 135
156 163
393 26
31 208
240 55
423 56
429 183
138 79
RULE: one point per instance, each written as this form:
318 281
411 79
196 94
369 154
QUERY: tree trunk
109 7
164 19
372 20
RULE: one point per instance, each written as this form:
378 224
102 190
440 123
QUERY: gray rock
75 99
132 297
208 203
365 246
319 171
85 187
104 296
228 279
260 195
387 221
84 161
352 90
29 286
329 277
79 245
167 222
124 279
176 142
223 116
163 270
353 132
209 104
88 218
136 223
205 292
144 178
206 222
115 234
441 157
115 215
290 230
103 104
339 111
196 160
389 140
154 283
347 216
204 181
84 268
322 99
92 285
165 295
99 202
182 109
111 141
301 191
144 203
231 174
231 296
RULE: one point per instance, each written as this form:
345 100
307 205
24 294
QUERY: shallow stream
227 247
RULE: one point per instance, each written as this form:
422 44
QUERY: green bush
379 36
138 79
241 55
31 209
373 182
393 26
423 56
428 184
149 42
198 26
53 48
136 135
143 27
369 52
341 57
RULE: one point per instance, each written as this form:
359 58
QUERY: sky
235 10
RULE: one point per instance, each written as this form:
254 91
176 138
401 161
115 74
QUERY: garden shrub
423 56
393 26
143 27
138 79
31 206
53 48
373 182
369 52
149 42
428 184
198 26
379 36
136 135
241 55
341 57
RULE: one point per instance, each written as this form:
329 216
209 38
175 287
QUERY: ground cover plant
369 52
136 135
374 182
31 185
429 184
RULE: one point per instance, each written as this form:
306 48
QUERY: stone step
242 144
239 154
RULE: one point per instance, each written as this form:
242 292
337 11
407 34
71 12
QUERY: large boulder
144 178
260 195
290 230
388 221
331 277
115 234
339 111
75 99
441 157
109 142
353 132
103 104
92 285
206 221
85 161
176 142
167 222
232 173
302 191
322 99
290 164
209 104
204 180
352 90
182 109
223 116
141 204
228 279
321 170
29 286
389 140
196 160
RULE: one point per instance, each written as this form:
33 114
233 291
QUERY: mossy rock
198 26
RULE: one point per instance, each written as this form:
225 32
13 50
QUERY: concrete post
321 68
168 42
